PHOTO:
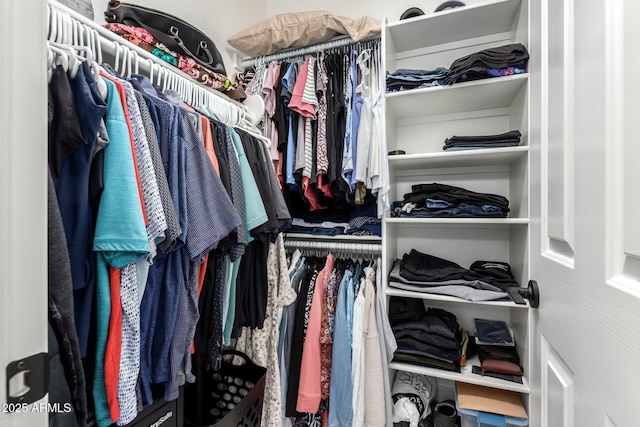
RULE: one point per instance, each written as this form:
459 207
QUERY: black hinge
27 379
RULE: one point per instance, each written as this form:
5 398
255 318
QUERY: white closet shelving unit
418 121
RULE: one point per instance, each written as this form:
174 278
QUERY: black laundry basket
229 397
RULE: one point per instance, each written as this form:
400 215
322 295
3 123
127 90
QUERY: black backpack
173 32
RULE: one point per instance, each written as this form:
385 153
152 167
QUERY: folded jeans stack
364 221
472 142
441 200
324 228
494 62
406 79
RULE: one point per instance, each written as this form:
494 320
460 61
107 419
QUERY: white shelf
454 25
434 297
466 376
479 157
340 237
496 92
476 222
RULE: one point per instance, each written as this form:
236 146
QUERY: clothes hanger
50 59
151 64
60 57
73 59
134 63
126 61
63 30
52 23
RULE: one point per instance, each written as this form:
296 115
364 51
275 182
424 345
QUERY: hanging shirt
328 317
380 175
121 383
65 129
130 346
348 163
270 92
256 214
374 404
211 216
121 236
366 119
335 121
152 126
355 120
208 143
304 100
291 145
310 388
388 344
73 191
341 389
357 363
60 302
262 344
322 162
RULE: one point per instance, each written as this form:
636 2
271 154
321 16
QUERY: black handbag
173 32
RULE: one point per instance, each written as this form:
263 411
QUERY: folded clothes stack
494 62
405 79
325 228
497 351
483 281
473 142
441 200
429 338
364 221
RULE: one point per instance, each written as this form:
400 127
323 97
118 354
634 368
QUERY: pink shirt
310 390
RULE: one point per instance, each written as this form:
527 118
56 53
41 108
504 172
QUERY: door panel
585 244
623 151
557 138
557 408
23 208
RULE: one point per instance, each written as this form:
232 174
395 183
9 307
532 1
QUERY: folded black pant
420 267
416 330
413 346
496 57
424 267
408 357
454 195
405 310
512 134
506 139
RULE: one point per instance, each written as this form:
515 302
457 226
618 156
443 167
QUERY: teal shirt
256 213
120 237
256 216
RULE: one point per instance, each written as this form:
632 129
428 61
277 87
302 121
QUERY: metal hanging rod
292 53
365 249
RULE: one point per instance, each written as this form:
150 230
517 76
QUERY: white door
23 207
585 230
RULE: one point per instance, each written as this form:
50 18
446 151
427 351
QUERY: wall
219 26
354 8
